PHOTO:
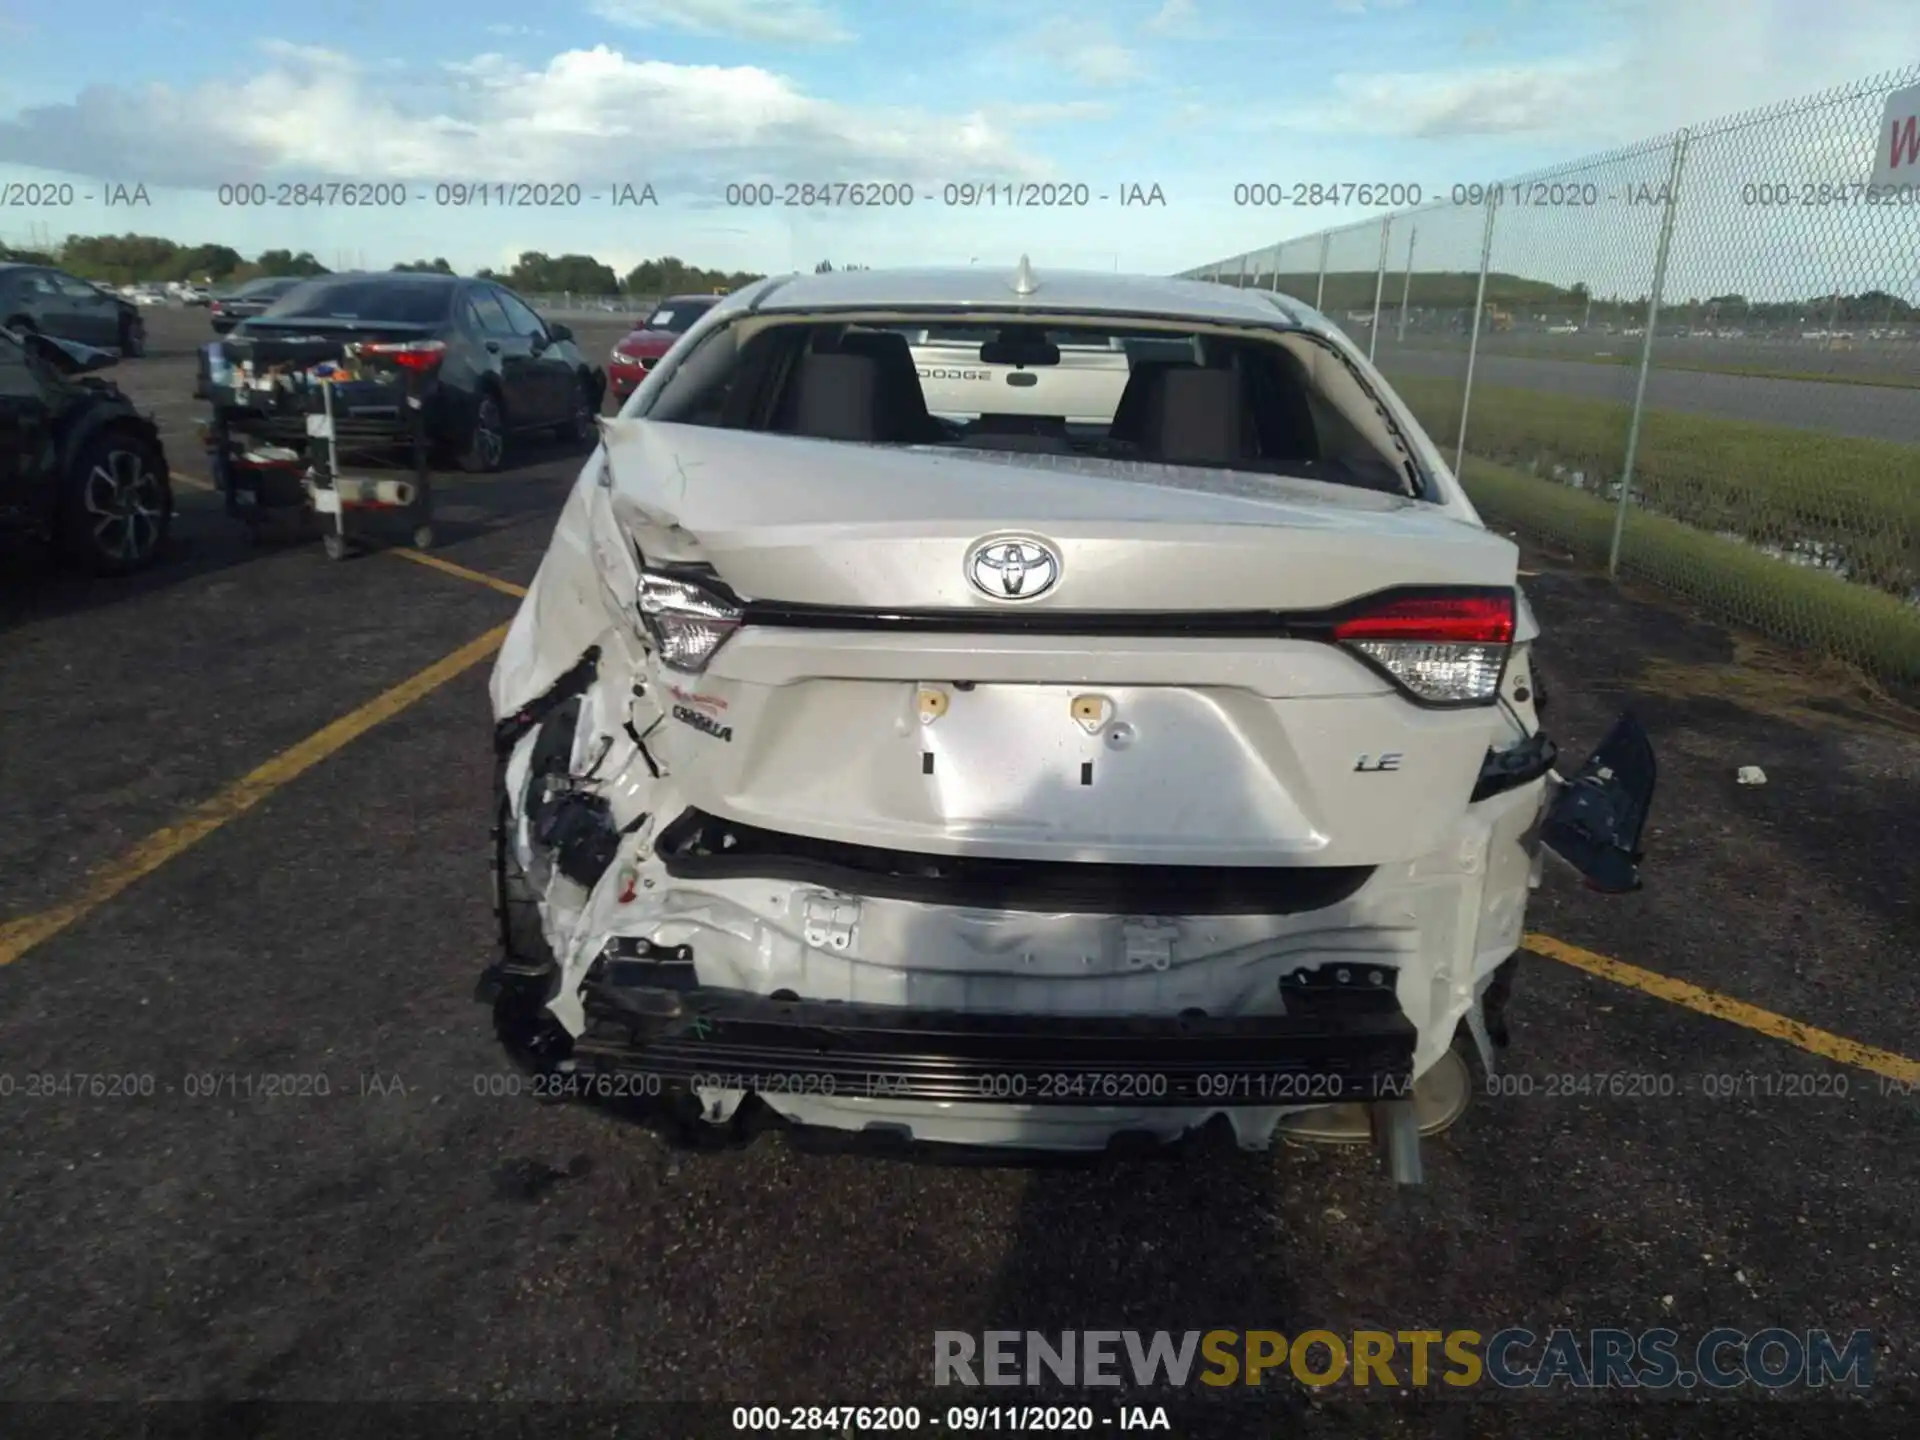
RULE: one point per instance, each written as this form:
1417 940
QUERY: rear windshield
1261 400
264 287
365 300
678 315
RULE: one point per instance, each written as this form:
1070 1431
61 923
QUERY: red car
634 356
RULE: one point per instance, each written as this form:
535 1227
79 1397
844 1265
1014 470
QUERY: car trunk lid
1183 691
889 527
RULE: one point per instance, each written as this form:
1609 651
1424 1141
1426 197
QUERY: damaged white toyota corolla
1142 732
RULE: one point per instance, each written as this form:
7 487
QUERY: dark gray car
478 359
39 297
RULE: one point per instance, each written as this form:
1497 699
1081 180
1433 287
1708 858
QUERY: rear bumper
645 1018
286 424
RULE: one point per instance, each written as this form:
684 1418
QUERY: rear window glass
365 300
679 316
1236 402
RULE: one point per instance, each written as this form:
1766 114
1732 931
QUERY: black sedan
41 299
467 360
243 302
79 465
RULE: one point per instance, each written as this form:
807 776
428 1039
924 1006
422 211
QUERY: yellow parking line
1823 1043
19 936
492 582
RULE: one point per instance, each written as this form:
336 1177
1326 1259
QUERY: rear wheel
118 504
133 337
486 442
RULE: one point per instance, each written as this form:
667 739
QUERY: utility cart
288 444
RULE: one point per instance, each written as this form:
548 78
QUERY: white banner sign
1896 151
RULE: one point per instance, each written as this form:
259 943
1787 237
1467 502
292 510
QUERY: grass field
1890 377
1700 479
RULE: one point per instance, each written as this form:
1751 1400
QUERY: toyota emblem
1013 567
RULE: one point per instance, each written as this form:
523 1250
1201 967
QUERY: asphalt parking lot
224 856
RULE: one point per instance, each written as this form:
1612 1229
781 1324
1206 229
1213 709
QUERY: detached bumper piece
646 1014
1595 821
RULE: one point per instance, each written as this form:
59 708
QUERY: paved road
411 1234
1868 412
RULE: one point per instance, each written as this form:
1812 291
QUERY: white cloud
1044 112
1506 100
585 116
783 22
1661 64
1173 15
1181 20
1085 48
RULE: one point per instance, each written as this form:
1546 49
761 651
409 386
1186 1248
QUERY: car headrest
903 414
1198 417
834 397
889 347
1130 416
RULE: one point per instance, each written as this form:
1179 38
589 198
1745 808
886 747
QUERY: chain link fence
1695 359
574 306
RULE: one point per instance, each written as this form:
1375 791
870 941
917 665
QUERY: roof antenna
1023 281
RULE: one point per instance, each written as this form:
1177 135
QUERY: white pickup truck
1082 389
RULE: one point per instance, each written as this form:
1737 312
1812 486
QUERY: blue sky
1193 96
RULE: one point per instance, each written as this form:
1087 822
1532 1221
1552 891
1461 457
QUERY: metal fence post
1320 290
1379 286
1274 285
1473 342
1406 287
1646 349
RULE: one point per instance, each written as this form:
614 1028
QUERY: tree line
144 259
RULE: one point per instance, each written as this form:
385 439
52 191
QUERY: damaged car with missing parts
1008 776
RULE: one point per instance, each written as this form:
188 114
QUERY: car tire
484 447
116 507
578 428
133 337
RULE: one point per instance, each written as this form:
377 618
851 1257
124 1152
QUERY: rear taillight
1442 649
409 354
686 621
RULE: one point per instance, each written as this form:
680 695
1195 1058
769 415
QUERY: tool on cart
335 493
264 479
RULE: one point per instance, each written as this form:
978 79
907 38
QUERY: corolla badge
1013 567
